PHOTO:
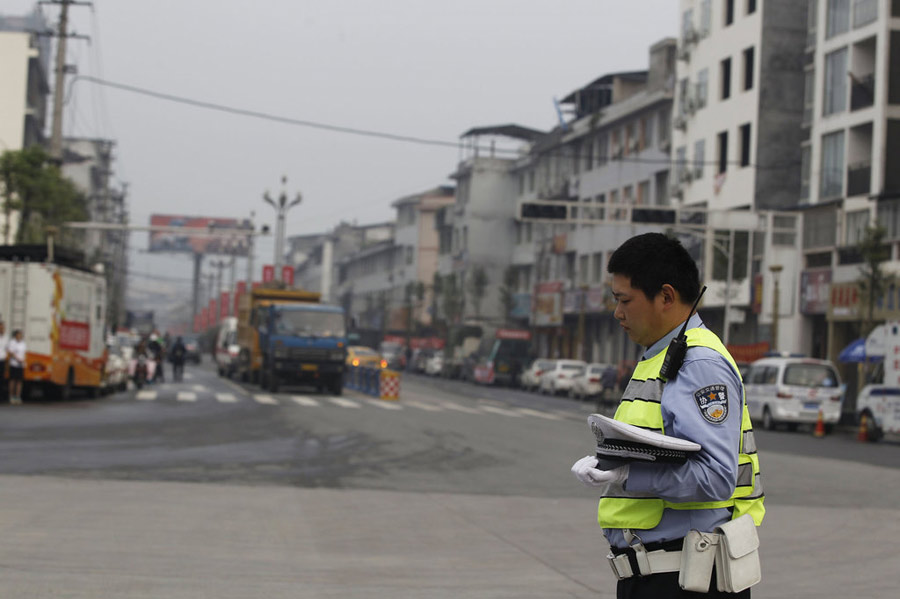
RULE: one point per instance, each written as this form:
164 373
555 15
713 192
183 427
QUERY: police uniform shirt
687 413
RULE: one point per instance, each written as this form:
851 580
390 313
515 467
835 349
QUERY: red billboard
74 335
224 305
268 273
200 234
287 275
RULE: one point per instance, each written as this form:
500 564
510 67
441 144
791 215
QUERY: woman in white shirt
16 359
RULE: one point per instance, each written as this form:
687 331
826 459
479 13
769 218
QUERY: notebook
621 442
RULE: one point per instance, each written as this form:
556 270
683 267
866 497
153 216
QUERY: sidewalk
96 539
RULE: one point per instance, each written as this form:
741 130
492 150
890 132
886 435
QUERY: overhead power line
391 136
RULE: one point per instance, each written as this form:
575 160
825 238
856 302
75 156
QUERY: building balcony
859 179
862 92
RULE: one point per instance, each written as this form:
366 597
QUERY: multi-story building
24 68
736 146
88 164
850 164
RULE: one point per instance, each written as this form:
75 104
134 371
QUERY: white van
792 390
227 348
880 404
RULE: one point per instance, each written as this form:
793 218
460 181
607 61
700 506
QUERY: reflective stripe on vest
640 406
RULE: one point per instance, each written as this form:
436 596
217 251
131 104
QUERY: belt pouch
697 557
737 558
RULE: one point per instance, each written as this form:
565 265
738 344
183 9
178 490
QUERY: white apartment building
850 160
24 68
736 146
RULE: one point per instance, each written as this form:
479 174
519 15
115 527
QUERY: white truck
60 308
879 401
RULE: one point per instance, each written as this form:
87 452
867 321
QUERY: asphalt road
212 488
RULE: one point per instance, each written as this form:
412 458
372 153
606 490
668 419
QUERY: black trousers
4 382
665 586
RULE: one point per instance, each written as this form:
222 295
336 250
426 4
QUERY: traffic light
543 211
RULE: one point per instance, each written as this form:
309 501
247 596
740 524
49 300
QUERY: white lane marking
344 403
302 400
265 399
188 376
146 395
226 397
501 411
428 407
186 396
538 414
455 406
385 405
199 387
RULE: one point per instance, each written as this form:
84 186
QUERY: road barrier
377 382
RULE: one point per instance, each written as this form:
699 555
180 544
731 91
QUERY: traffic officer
647 507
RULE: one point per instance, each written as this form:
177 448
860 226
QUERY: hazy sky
423 68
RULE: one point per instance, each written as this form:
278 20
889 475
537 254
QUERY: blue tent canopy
856 352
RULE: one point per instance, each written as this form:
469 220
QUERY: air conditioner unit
684 53
679 123
686 176
690 105
698 172
676 192
634 147
691 36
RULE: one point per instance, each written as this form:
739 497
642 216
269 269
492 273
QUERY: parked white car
880 404
590 382
115 373
434 364
560 378
530 378
792 390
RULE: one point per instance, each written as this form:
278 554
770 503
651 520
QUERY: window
683 87
723 151
804 172
643 193
729 12
812 23
687 25
808 96
751 7
699 157
602 149
702 87
705 17
646 131
835 82
521 184
725 77
838 17
748 68
681 163
857 221
589 154
409 254
598 266
889 217
583 268
832 175
745 144
664 126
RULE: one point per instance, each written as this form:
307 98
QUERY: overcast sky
423 68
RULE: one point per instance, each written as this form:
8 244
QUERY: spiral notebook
621 442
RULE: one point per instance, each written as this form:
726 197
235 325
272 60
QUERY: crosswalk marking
385 405
344 403
226 397
186 396
265 399
455 406
302 400
428 407
199 388
501 411
146 395
539 414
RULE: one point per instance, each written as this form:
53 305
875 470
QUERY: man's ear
669 295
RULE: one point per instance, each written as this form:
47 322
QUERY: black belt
673 545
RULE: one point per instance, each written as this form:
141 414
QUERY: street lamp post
281 205
775 269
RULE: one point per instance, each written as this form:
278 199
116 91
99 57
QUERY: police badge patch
713 403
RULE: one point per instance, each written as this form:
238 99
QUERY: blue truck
287 337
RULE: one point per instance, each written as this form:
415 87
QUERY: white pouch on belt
697 557
737 558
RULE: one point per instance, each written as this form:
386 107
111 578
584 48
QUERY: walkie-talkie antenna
678 346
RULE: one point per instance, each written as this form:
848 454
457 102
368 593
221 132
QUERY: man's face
640 317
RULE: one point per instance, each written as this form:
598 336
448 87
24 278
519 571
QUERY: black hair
651 260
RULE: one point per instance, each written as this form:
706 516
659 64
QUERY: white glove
586 471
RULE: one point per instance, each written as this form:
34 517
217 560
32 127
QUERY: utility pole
60 74
775 269
281 205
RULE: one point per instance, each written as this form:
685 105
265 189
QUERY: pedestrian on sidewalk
4 376
646 508
15 350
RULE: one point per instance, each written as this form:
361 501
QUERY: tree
873 281
508 292
478 283
34 185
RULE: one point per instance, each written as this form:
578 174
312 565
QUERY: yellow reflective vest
641 407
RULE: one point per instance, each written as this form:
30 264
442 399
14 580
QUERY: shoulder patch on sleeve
712 401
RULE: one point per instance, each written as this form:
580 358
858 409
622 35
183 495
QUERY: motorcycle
141 372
